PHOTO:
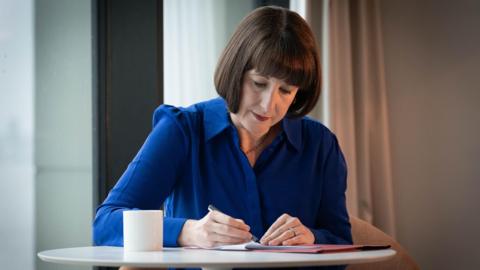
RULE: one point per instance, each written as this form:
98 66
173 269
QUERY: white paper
252 245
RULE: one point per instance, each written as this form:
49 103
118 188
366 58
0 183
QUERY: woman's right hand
214 229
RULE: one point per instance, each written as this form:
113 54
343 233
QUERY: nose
268 100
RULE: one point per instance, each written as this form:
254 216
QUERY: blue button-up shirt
192 158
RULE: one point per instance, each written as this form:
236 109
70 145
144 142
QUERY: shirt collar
216 120
293 130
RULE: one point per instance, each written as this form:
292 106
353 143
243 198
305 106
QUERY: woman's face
265 101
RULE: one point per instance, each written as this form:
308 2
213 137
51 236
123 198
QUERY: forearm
108 226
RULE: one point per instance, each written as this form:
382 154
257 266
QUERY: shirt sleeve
333 226
147 181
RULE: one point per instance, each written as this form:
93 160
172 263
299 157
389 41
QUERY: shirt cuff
323 236
171 230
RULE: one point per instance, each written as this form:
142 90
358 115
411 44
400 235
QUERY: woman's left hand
286 231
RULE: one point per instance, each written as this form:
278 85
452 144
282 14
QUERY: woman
273 172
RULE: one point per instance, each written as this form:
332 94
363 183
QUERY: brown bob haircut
276 42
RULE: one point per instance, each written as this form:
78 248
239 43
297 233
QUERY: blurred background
79 81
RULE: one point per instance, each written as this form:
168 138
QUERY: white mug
142 230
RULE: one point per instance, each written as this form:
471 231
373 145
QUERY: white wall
63 126
432 54
16 135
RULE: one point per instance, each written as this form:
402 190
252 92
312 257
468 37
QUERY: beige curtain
356 102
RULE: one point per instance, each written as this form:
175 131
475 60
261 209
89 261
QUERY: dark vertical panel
129 83
134 77
159 50
98 97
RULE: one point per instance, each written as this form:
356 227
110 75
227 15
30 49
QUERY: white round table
206 259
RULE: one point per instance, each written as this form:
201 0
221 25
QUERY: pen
213 208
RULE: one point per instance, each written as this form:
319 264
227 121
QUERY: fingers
279 222
297 240
280 230
213 239
289 226
228 220
281 237
288 230
222 229
227 230
219 239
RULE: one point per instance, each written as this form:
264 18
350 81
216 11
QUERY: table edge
52 259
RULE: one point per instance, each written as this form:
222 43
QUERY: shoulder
184 116
316 135
315 131
198 121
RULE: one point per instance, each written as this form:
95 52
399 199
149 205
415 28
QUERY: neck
248 140
258 145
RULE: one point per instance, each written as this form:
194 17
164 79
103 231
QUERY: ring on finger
293 230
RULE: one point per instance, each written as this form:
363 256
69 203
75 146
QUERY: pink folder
317 248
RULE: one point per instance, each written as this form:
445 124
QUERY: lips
260 118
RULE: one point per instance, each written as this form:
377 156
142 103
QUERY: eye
285 91
259 84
